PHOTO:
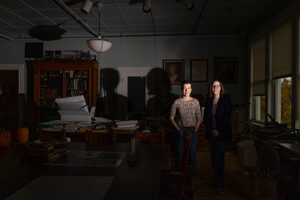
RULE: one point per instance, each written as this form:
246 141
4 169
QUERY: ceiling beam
12 26
20 17
122 15
96 16
200 16
38 12
70 12
7 37
152 21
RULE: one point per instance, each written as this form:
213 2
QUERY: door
136 94
9 81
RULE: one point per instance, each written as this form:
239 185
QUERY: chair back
179 178
186 151
98 138
52 135
150 137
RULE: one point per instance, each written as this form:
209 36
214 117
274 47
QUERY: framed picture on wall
226 69
199 70
173 71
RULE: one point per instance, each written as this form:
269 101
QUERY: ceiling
119 18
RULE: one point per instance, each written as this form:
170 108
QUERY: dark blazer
223 118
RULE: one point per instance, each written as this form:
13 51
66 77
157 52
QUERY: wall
150 51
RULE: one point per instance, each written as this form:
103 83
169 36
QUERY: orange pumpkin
21 135
5 139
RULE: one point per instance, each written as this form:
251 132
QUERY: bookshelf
63 78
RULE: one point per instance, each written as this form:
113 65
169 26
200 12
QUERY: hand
215 133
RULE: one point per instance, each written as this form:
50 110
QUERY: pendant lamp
99 45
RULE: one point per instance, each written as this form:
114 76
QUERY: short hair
222 91
185 82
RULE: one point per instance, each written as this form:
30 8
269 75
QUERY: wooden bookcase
63 78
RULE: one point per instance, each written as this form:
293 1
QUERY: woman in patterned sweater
185 115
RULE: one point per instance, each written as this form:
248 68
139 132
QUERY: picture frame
226 69
199 70
173 70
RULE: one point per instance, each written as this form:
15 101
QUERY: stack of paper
129 124
74 109
71 128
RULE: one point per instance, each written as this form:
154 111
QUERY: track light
147 6
189 4
87 6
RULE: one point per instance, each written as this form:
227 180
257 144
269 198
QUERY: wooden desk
144 136
292 146
116 135
138 182
123 135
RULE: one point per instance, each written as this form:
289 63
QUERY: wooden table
144 136
130 182
292 146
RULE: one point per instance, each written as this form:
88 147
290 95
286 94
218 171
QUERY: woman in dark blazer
217 115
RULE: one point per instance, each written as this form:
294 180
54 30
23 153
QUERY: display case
63 78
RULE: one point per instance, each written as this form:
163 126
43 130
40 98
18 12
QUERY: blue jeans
179 143
218 149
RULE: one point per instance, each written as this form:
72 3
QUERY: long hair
222 91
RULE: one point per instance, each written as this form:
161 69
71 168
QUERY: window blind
259 66
282 51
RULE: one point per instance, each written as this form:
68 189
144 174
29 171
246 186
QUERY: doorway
133 85
136 96
13 94
9 81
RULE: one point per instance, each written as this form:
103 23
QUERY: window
283 100
259 108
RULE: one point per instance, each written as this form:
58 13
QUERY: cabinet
63 78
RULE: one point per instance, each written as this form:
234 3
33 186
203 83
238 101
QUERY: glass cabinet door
77 83
50 87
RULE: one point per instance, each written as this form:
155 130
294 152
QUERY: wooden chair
45 135
123 135
174 183
104 137
150 137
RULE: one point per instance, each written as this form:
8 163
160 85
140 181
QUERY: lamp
147 6
98 45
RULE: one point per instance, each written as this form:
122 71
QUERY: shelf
61 78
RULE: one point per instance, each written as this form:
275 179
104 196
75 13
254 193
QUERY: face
216 88
187 89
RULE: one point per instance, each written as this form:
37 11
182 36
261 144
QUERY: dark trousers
218 149
179 142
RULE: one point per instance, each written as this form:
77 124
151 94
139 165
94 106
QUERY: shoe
220 190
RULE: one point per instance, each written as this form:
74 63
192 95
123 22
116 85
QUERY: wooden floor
239 184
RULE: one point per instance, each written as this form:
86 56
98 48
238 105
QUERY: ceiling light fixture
99 45
147 6
189 4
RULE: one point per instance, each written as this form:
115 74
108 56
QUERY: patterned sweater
186 113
